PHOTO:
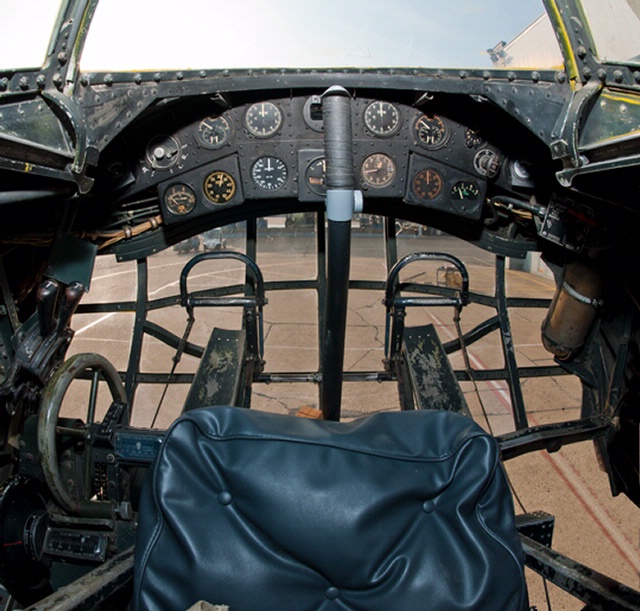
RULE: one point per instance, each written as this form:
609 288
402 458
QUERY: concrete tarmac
591 526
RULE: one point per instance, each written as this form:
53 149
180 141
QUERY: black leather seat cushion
395 511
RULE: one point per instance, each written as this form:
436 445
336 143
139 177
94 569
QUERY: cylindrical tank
573 310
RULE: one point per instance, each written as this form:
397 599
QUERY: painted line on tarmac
574 481
94 323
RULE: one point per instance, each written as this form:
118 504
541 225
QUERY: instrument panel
274 149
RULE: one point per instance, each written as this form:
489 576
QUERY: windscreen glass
199 34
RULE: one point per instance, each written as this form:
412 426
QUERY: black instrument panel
273 149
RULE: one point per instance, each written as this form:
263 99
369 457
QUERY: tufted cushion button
224 498
428 506
332 593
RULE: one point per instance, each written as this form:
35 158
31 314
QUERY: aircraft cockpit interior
319 306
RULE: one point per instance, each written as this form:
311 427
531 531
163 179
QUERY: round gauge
427 184
472 138
382 118
263 119
219 187
213 132
180 199
163 152
269 173
487 163
378 170
315 176
465 190
431 132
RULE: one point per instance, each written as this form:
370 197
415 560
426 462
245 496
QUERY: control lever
47 304
70 300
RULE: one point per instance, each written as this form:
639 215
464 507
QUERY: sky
194 34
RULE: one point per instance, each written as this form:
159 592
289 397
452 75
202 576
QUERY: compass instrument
263 119
213 132
378 170
219 187
431 132
382 118
427 184
269 173
180 199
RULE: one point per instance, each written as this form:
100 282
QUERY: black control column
340 203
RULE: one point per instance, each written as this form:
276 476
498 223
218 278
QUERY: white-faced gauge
219 187
213 132
378 170
269 173
180 199
427 184
263 119
431 132
382 118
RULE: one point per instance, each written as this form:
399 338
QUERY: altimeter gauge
382 118
219 187
378 170
431 132
269 173
427 184
180 199
213 132
263 119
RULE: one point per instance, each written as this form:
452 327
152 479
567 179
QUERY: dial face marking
213 132
180 199
219 187
378 170
382 118
431 132
263 119
427 184
269 173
